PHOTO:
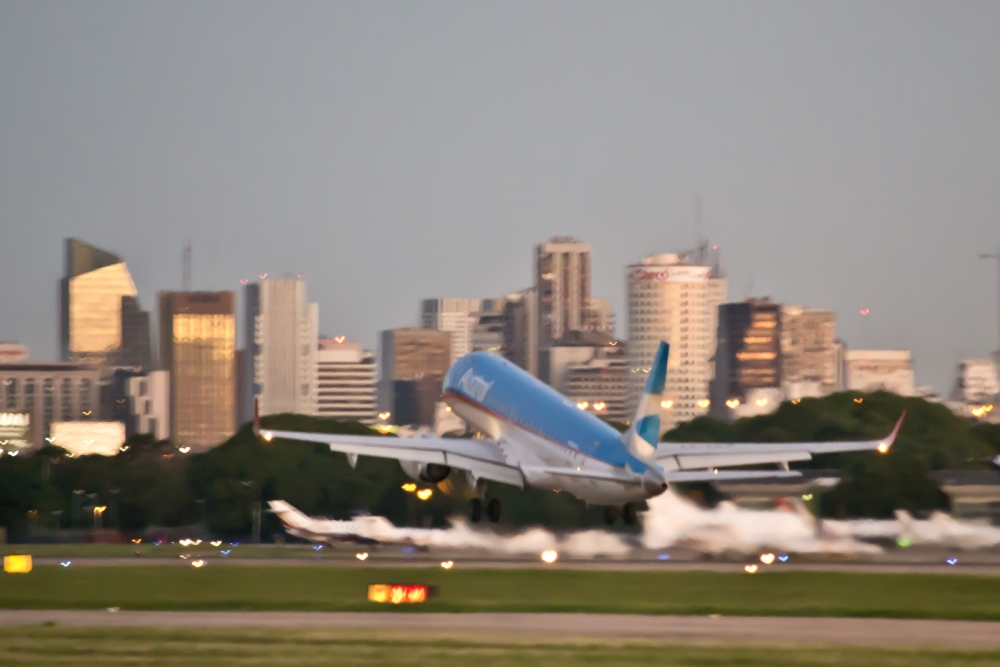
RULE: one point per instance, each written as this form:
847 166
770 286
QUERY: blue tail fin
642 436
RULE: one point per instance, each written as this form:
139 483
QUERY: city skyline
849 179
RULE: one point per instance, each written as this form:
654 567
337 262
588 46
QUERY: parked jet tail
289 516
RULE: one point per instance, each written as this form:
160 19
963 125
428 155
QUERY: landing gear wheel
610 514
493 510
629 514
475 510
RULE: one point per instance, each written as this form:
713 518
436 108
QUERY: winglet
642 436
256 417
884 445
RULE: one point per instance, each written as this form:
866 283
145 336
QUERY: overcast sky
847 154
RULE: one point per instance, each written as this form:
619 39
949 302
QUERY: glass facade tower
198 347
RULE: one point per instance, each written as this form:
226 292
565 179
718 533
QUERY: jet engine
429 473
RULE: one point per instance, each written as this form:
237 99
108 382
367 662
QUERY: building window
85 387
48 401
11 386
29 394
66 400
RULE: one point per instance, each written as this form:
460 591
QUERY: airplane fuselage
539 431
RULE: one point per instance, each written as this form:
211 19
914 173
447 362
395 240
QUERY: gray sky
847 153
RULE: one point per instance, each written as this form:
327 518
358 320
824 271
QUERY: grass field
344 589
221 648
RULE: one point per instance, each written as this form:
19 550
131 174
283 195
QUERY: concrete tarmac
730 629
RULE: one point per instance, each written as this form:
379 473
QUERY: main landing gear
628 513
492 507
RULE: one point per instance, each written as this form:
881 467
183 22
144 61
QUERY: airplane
537 437
359 529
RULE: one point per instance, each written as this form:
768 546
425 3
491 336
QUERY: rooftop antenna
995 256
701 243
187 267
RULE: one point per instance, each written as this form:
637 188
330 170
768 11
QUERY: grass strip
772 593
107 647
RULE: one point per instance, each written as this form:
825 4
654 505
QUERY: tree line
151 484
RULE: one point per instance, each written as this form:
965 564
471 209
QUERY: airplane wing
675 457
482 458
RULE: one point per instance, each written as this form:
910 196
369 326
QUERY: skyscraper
671 300
282 339
562 279
100 320
197 346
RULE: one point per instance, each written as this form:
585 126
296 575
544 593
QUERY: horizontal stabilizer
728 475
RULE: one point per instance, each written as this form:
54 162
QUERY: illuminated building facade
197 346
412 366
100 320
671 300
282 342
748 354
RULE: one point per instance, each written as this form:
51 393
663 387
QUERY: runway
790 630
980 568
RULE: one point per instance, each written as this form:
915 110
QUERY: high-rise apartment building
562 280
671 300
412 366
100 321
491 322
809 348
599 316
747 354
520 335
346 382
592 370
458 317
282 342
198 346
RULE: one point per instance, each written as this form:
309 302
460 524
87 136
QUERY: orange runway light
17 564
399 593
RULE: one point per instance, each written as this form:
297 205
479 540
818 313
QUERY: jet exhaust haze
675 521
